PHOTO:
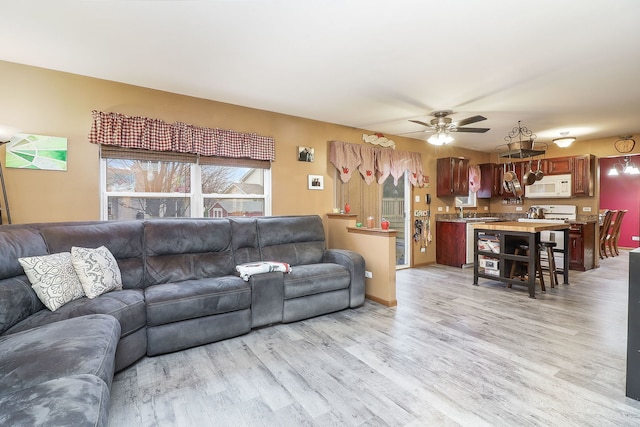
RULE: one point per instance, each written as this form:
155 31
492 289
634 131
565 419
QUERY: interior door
395 208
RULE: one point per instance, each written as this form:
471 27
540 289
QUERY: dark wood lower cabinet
451 239
582 246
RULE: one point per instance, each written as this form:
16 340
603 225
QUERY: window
140 184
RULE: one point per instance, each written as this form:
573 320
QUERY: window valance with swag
375 163
157 135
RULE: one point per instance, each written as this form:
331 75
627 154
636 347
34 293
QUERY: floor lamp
6 133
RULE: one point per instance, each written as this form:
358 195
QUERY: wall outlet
440 208
586 209
447 208
635 238
486 208
368 275
417 199
423 250
518 208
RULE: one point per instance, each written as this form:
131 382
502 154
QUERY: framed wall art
305 154
37 152
316 182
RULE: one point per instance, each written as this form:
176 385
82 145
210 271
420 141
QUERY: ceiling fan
442 125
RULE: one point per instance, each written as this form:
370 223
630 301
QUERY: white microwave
549 187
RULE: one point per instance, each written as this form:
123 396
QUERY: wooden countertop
525 227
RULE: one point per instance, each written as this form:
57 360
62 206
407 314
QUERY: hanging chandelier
625 166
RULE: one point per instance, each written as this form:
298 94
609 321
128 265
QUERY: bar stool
551 266
524 249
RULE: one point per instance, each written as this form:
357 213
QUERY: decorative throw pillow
97 270
53 279
248 269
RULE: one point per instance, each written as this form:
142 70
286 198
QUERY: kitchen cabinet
453 176
450 243
583 175
582 246
559 166
491 176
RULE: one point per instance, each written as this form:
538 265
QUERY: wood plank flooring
450 354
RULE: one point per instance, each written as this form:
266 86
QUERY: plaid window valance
157 135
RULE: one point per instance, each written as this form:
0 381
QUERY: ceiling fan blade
421 123
417 131
470 120
470 130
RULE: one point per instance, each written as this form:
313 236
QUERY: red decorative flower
345 170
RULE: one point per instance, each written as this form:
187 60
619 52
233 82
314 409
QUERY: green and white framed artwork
42 152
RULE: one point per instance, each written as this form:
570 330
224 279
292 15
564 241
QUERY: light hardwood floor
449 354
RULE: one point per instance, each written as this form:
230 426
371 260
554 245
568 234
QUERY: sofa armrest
354 262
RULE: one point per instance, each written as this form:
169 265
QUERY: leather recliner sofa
180 290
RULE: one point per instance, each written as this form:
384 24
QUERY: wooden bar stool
551 267
524 249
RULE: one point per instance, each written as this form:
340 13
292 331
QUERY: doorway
395 205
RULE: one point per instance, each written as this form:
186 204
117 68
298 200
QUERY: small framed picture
305 154
316 182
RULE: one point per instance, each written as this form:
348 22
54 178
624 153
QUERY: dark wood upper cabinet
490 181
559 166
583 175
453 176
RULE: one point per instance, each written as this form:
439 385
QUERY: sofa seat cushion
127 306
189 299
79 400
314 279
82 345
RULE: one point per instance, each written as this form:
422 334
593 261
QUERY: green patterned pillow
53 279
97 270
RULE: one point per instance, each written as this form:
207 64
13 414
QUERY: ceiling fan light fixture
440 138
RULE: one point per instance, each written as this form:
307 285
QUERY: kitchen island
495 250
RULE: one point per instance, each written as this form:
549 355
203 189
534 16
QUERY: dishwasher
471 244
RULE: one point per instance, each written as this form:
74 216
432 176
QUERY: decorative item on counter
358 224
384 224
347 207
370 223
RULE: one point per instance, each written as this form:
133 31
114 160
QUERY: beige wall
53 103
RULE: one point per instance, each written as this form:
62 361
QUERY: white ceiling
558 66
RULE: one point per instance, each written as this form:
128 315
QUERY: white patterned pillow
97 270
53 279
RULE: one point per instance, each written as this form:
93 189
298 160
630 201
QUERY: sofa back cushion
244 240
187 249
124 239
296 240
17 300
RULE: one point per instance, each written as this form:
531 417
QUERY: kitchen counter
505 237
471 219
523 227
